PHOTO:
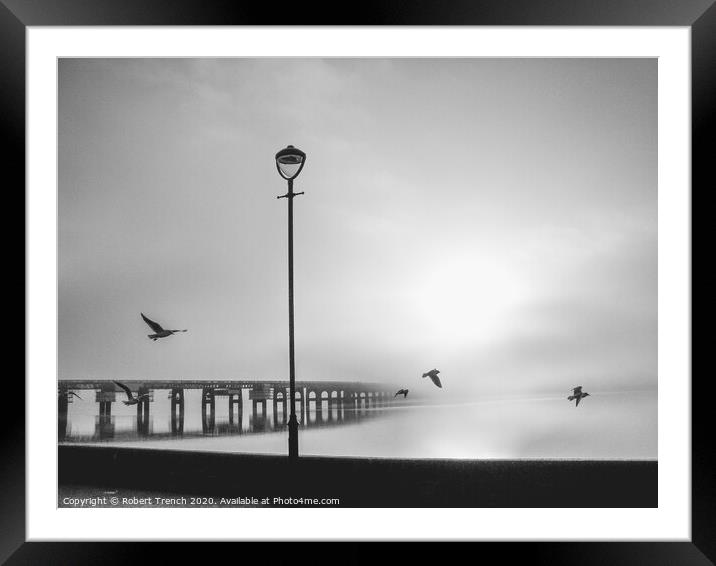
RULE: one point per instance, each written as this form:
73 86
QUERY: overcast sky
493 218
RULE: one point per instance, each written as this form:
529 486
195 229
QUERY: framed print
420 275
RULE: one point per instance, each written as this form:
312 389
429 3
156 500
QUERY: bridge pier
274 408
258 422
142 406
259 395
301 412
105 397
339 406
142 411
338 403
310 400
255 405
319 408
177 405
62 414
236 399
348 401
208 410
283 401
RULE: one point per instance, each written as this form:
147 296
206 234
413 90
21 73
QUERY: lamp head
289 162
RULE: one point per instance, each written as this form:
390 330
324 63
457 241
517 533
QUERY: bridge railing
258 388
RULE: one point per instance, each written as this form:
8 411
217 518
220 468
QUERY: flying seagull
159 331
75 394
403 392
131 399
433 374
577 395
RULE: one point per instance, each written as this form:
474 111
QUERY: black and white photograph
380 282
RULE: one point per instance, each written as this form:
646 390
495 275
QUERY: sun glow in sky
493 218
468 299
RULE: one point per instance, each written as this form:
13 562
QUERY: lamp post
289 163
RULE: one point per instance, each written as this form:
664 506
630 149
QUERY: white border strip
671 521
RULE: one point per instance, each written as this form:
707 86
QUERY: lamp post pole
292 421
289 163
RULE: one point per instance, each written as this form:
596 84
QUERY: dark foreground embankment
365 482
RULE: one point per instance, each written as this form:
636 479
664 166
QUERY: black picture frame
699 15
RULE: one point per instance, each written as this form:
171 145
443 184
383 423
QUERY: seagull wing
75 394
577 390
578 400
153 325
126 389
436 380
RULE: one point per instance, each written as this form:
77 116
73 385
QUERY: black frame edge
12 123
23 13
371 12
703 96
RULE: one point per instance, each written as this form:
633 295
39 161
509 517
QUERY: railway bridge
342 395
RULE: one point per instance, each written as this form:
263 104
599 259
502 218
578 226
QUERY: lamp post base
293 437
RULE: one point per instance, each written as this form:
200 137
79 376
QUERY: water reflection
617 426
104 427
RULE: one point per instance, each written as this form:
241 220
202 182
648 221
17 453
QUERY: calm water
604 426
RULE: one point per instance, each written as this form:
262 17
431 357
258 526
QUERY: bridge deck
80 384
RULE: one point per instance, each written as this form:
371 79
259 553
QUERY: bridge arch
312 397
